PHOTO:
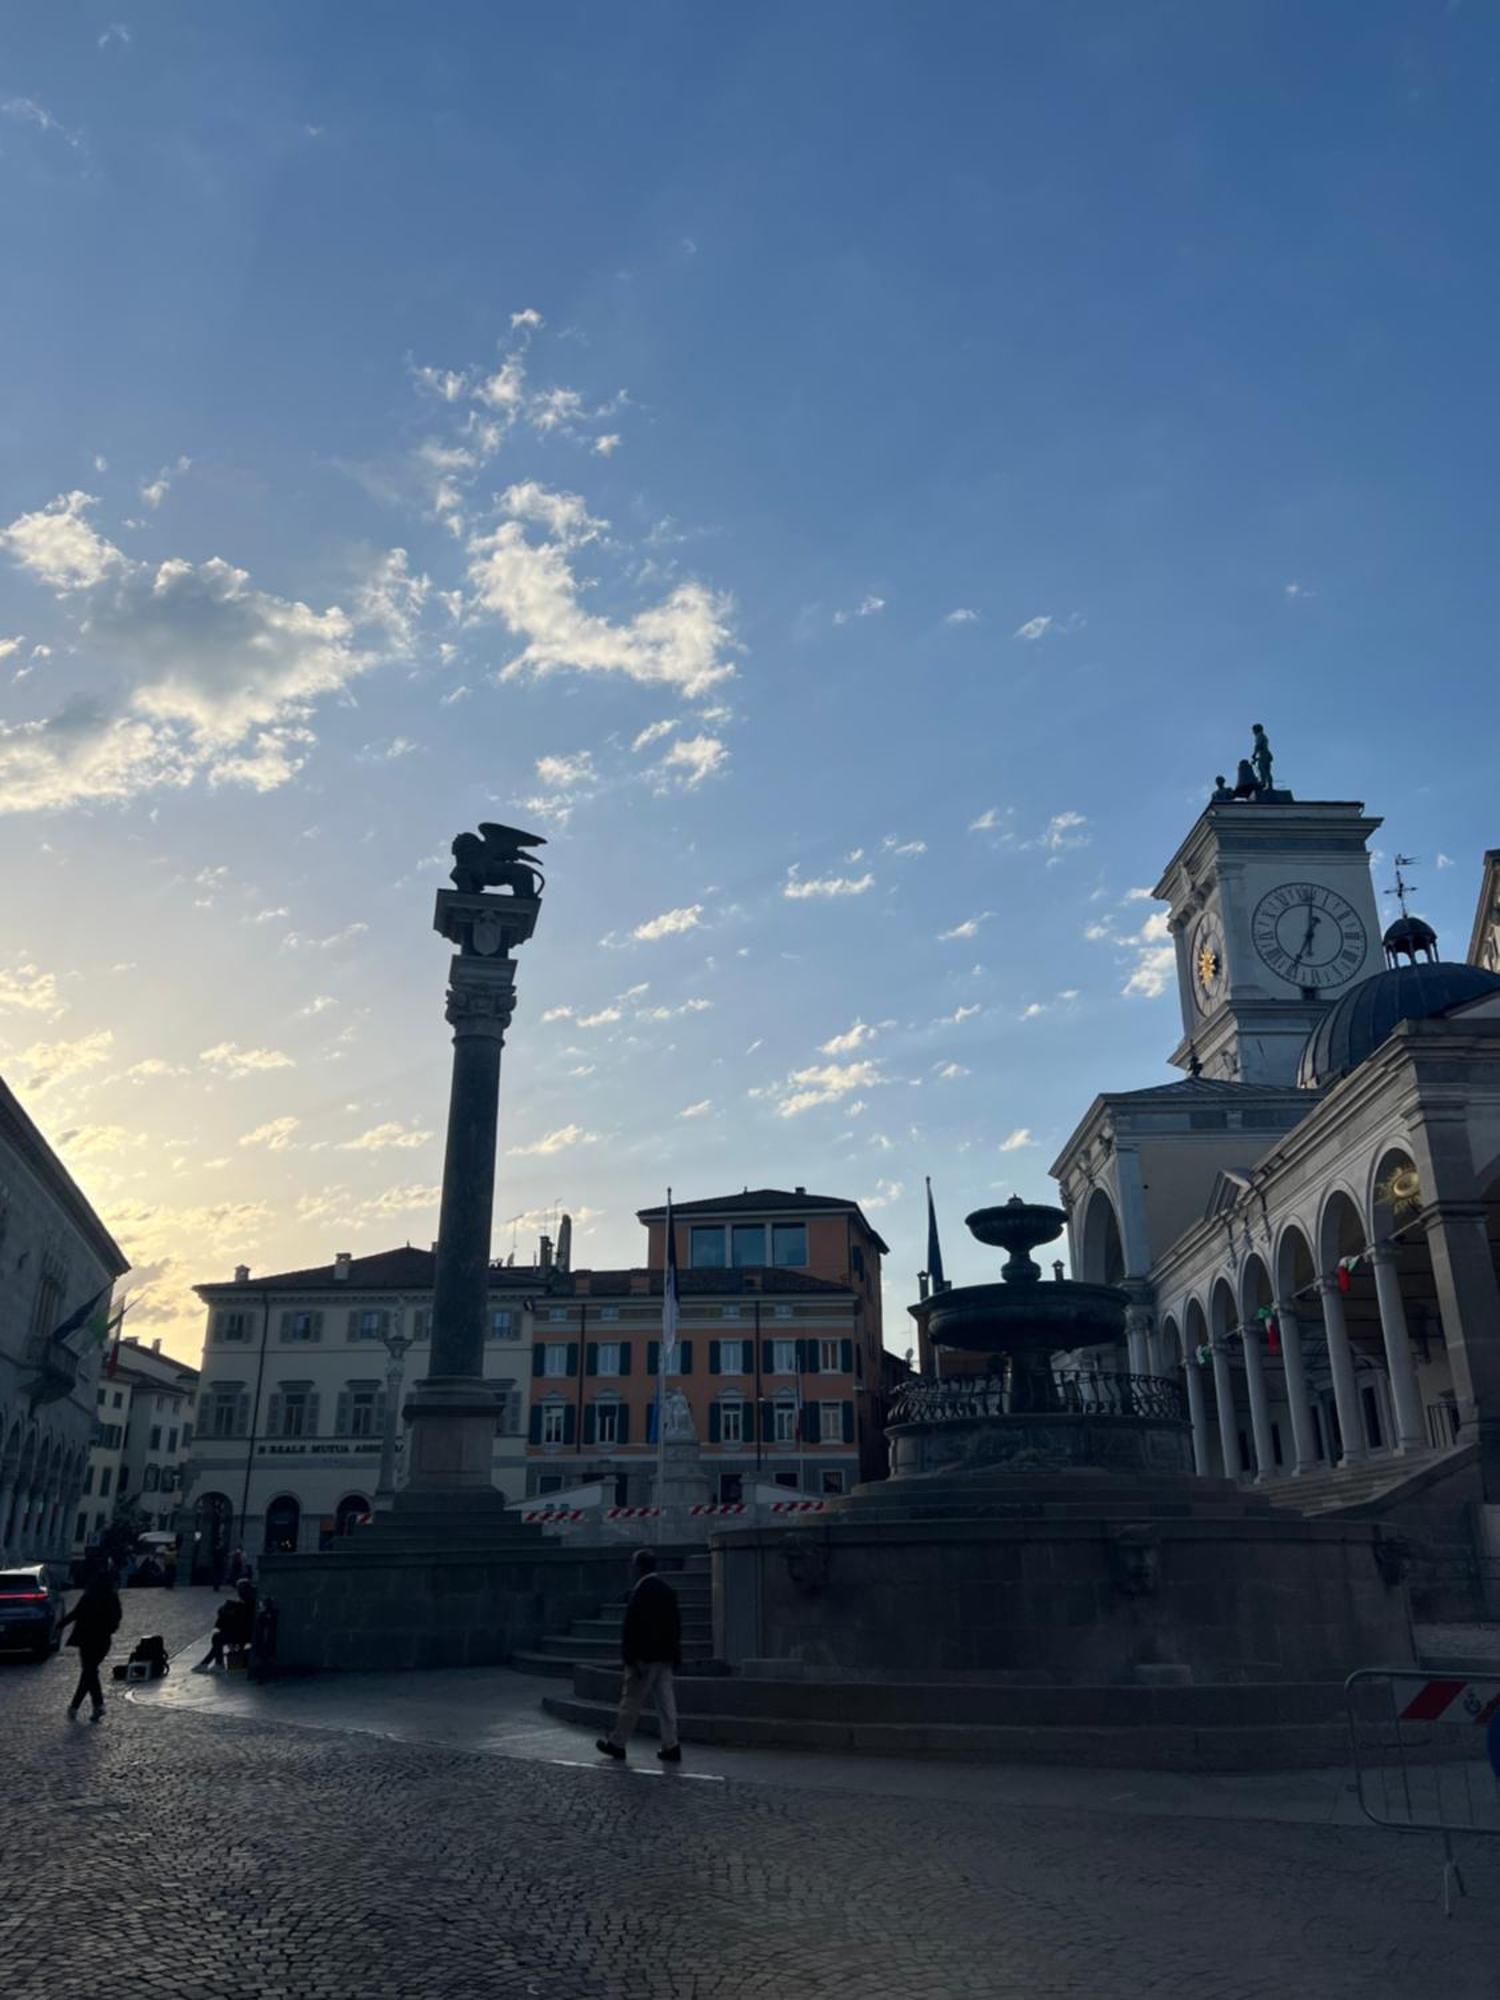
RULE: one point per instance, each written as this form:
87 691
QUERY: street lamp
395 1341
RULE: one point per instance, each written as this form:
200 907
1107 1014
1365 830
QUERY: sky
848 476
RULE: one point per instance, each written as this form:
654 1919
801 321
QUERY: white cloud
557 1014
154 491
387 753
606 445
10 646
946 1072
699 1110
694 758
567 771
275 1135
393 596
671 923
1065 830
29 990
604 1018
1295 590
969 928
319 1004
654 732
962 616
1032 1012
26 111
960 1014
527 320
799 889
885 1195
268 916
1445 861
560 1141
868 607
1034 628
88 1141
296 941
233 1061
1018 1140
987 821
149 1068
905 850
115 32
851 1039
386 1138
673 1013
51 1062
216 676
679 642
825 1084
1139 896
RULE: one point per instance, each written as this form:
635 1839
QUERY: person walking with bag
651 1648
95 1619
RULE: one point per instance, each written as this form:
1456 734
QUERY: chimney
156 1346
341 1264
544 1256
565 1244
800 1190
242 1274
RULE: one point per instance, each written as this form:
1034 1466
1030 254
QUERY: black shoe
672 1756
98 1714
608 1749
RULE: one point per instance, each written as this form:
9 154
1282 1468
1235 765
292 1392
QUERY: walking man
651 1647
94 1618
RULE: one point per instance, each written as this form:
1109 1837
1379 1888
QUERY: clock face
1309 935
1208 964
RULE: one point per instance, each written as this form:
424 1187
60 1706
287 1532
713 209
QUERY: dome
1410 934
1355 1026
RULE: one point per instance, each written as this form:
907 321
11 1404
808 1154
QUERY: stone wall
1063 1602
359 1611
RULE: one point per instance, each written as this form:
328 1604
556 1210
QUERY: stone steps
1332 1489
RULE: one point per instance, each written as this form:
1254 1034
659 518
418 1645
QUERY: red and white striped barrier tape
717 1507
1452 1701
631 1513
554 1514
798 1506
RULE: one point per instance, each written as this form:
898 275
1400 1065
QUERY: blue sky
849 476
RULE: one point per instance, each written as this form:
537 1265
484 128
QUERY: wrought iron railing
1022 1392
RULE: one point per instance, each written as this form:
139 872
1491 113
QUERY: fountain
1001 1400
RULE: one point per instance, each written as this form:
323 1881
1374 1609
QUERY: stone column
1229 1434
1137 1335
396 1343
1341 1361
452 1412
1304 1442
1198 1415
1260 1408
1469 1302
1408 1405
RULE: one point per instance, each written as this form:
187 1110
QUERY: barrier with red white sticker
717 1507
631 1513
1427 1755
798 1506
555 1514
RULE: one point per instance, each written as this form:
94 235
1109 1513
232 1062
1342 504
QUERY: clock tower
1273 915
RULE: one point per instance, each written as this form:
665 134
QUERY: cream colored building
143 1433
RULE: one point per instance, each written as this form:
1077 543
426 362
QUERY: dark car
31 1610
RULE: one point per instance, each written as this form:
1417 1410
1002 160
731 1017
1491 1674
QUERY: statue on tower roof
1260 756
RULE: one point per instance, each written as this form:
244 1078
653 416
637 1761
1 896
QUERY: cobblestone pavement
172 1852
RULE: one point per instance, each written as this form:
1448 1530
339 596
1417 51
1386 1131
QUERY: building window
786 1423
609 1312
729 1312
294 1413
228 1411
731 1487
82 1528
500 1323
831 1422
155 1444
88 1479
734 1357
301 1326
607 1423
421 1323
783 1312
747 1244
707 1251
833 1482
364 1409
553 1417
368 1324
789 1244
231 1326
106 1476
609 1357
549 1482
119 1402
857 1261
557 1358
784 1357
558 1315
171 1441
732 1423
829 1358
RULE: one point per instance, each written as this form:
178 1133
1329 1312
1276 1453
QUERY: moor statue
492 859
1260 756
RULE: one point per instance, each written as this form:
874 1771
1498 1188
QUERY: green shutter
354 1323
812 1424
747 1422
624 1357
653 1357
536 1424
713 1423
286 1325
847 1356
315 1326
570 1425
590 1425
591 1358
848 1423
341 1420
713 1357
572 1357
684 1357
538 1359
622 1425
273 1416
310 1420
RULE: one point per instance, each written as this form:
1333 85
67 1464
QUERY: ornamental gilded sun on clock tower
1273 915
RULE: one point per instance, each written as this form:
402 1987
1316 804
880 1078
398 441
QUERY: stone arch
1194 1330
1341 1227
1169 1353
283 1524
350 1513
1100 1243
1295 1268
1255 1288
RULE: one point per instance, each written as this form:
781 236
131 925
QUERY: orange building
779 1352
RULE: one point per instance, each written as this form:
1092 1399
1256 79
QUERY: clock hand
1312 925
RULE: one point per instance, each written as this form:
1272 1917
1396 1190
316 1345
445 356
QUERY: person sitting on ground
233 1626
651 1648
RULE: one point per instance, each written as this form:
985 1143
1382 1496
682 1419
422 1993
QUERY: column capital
1327 1281
1455 1211
1382 1253
481 996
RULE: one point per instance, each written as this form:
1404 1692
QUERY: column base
452 1438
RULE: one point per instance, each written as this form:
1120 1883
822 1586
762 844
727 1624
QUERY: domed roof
1407 931
1355 1026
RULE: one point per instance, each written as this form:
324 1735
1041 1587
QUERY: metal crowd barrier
1426 1751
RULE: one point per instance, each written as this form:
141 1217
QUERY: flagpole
668 1329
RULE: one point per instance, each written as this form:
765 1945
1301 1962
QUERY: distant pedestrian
233 1626
651 1648
238 1567
95 1619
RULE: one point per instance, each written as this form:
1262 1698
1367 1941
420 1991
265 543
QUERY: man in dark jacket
95 1619
651 1647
